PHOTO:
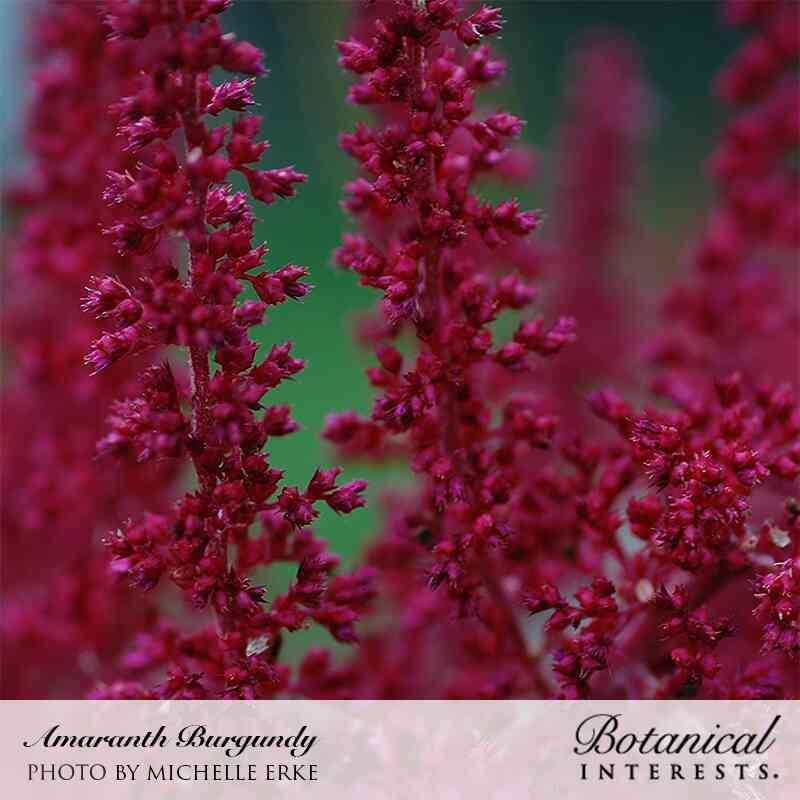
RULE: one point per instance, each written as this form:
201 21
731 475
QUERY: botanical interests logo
610 752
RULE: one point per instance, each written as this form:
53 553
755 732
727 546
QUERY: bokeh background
681 45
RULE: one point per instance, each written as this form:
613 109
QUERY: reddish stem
501 599
199 354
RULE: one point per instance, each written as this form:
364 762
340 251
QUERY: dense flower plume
64 615
177 190
607 110
600 506
734 310
448 266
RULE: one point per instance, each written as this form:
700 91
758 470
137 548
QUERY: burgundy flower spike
194 236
